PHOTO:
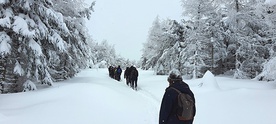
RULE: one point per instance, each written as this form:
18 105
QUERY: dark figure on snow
111 71
133 77
169 105
118 72
127 75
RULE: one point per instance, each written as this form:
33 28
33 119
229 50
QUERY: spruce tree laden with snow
197 53
161 51
171 48
246 19
104 52
151 50
41 44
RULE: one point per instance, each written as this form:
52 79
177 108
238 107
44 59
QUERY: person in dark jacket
167 113
118 72
127 75
133 78
131 68
111 72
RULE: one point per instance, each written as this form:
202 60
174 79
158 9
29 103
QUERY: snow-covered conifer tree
197 40
104 52
43 43
170 47
161 51
151 48
247 26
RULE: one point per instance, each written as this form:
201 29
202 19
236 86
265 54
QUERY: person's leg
119 77
135 84
128 81
132 83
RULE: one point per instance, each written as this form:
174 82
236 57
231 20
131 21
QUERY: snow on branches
5 47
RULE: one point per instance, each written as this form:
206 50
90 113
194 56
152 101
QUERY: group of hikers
130 74
115 72
178 102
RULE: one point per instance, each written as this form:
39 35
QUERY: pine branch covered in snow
5 47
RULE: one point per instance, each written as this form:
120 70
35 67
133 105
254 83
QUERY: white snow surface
94 98
209 81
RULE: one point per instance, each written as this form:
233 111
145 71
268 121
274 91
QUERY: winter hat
175 75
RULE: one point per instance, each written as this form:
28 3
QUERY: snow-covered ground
94 98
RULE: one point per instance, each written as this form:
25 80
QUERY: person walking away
131 68
118 73
110 68
169 106
134 78
127 75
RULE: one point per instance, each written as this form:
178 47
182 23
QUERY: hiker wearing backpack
173 110
118 72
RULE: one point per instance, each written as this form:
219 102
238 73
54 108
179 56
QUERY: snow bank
209 81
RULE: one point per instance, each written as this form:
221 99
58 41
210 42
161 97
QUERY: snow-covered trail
145 98
92 97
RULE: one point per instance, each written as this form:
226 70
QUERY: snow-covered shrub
29 86
269 71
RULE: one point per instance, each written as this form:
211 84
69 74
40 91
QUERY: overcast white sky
125 23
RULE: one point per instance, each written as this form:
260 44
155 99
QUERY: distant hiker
133 78
118 72
130 82
127 75
169 110
110 71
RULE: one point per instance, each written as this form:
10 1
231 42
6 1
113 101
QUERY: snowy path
91 97
94 98
133 105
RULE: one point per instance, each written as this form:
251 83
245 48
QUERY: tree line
223 36
45 41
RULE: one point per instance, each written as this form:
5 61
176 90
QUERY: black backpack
185 106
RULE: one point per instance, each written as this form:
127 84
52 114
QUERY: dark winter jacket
127 72
167 113
134 74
